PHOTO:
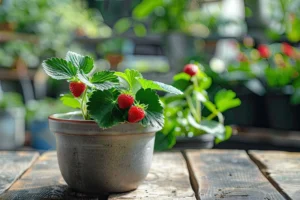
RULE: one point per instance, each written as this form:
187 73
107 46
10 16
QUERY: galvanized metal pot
95 160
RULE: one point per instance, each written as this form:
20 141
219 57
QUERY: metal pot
96 160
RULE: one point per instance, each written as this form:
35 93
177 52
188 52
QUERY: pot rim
61 125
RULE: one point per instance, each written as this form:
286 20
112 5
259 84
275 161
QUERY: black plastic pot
281 113
251 112
200 142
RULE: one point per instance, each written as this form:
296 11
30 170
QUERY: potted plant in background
283 88
12 121
108 146
243 74
192 120
113 51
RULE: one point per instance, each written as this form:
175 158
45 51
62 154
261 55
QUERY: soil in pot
281 113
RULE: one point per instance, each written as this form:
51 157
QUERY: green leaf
164 142
104 110
295 98
103 80
211 127
146 7
122 25
154 85
70 100
226 99
140 30
182 84
87 64
182 76
226 136
84 63
59 69
204 83
131 75
279 77
154 112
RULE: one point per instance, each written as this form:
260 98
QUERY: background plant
193 113
50 27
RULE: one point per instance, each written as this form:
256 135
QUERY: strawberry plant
193 113
109 97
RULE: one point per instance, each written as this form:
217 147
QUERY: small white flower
217 65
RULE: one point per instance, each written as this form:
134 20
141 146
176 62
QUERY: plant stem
213 115
83 105
191 106
198 103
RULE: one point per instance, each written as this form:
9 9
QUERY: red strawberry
125 101
287 49
263 51
191 69
135 114
77 88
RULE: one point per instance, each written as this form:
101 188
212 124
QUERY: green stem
198 103
83 105
191 106
213 115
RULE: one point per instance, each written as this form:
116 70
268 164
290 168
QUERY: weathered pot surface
95 160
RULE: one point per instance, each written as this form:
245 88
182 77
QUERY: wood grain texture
44 181
227 174
13 165
283 168
168 179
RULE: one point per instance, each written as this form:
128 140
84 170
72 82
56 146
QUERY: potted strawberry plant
282 82
193 120
108 145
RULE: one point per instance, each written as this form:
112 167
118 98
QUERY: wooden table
192 174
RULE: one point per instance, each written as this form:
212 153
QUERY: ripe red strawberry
263 51
135 114
287 49
77 88
125 101
191 69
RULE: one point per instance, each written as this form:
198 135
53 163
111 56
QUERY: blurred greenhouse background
248 46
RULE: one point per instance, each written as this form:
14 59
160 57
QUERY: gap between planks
228 174
263 169
193 180
17 169
282 168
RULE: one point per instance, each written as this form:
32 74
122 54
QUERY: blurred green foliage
163 16
48 28
42 109
284 20
10 100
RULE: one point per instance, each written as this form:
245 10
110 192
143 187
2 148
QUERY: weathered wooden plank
229 174
44 181
282 168
167 179
13 165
